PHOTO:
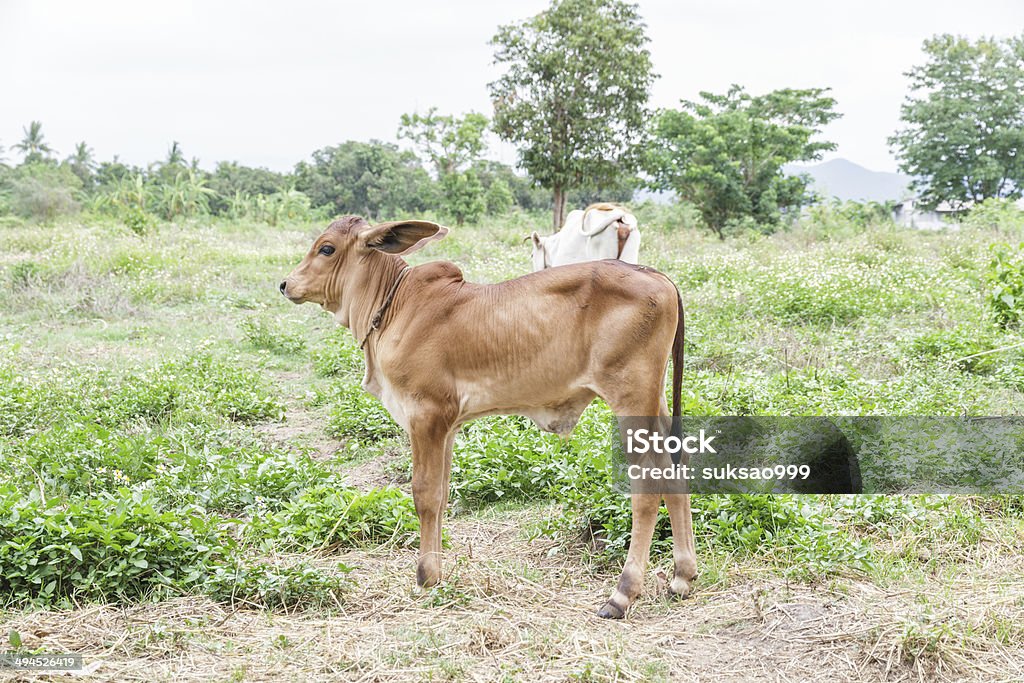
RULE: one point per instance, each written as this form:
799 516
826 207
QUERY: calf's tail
677 358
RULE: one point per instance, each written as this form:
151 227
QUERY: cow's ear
402 237
537 242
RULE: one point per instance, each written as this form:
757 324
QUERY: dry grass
516 609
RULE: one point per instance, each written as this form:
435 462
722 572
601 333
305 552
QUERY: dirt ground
517 609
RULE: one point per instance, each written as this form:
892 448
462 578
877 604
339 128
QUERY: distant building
909 214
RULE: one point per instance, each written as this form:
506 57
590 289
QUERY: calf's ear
537 241
402 237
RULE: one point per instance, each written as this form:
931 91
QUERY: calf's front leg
431 460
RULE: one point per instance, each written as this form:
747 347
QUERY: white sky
266 83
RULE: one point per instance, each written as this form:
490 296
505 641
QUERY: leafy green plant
114 546
507 458
325 516
137 220
337 355
355 414
1005 277
261 333
299 586
962 346
24 274
794 532
225 387
186 195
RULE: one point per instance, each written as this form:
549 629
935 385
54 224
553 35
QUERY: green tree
373 179
464 196
525 194
498 198
574 92
167 172
33 146
451 144
725 153
963 139
231 181
110 173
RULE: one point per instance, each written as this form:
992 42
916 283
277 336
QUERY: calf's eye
326 250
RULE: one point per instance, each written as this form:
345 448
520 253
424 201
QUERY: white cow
601 231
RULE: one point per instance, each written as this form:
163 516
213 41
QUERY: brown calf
441 351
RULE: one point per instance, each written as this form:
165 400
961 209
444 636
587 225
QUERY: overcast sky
266 83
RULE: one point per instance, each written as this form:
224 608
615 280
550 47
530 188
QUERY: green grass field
196 488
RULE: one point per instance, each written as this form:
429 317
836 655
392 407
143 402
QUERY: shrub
224 387
195 388
845 218
957 346
837 289
192 388
21 407
996 214
672 217
137 220
43 192
238 478
290 205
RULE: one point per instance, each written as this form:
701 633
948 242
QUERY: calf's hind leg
684 554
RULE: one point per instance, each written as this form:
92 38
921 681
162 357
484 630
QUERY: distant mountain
656 196
836 178
849 181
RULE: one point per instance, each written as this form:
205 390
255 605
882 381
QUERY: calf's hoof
427 577
611 610
680 587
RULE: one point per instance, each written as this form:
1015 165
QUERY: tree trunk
559 207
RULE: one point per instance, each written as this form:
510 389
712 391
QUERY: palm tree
32 145
83 163
174 155
83 156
